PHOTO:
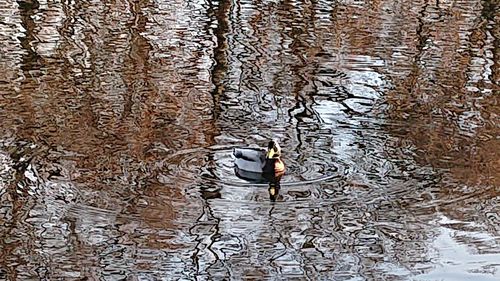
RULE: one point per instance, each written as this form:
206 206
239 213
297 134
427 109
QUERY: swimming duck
258 164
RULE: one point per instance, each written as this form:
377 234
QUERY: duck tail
237 153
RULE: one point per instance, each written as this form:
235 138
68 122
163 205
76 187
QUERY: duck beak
270 154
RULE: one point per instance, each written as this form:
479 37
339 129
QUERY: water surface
118 121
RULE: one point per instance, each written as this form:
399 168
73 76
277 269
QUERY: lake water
118 119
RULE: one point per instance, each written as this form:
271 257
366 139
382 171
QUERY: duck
259 164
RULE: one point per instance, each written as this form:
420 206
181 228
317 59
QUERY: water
118 121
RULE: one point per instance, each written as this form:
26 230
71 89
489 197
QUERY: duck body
250 159
259 164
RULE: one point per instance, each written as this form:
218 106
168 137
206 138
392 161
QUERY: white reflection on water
458 261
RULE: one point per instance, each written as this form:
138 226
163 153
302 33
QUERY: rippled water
118 121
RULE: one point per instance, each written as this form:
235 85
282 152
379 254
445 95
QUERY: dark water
118 119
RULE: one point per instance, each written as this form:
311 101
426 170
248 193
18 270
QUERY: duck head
273 150
274 164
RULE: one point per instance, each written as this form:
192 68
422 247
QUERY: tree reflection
117 118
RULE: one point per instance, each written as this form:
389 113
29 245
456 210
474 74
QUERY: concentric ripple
118 118
216 165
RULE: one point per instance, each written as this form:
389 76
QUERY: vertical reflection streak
219 70
28 8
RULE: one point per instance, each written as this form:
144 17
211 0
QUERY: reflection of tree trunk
136 77
220 68
30 62
303 70
422 36
27 9
138 56
490 12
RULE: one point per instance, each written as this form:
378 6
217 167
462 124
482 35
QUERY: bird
259 164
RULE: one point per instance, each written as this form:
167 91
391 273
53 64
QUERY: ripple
220 169
118 121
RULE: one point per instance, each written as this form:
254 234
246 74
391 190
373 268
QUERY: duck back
250 159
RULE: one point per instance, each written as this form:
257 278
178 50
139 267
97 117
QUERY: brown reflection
449 105
139 87
117 119
490 15
435 97
27 10
99 112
